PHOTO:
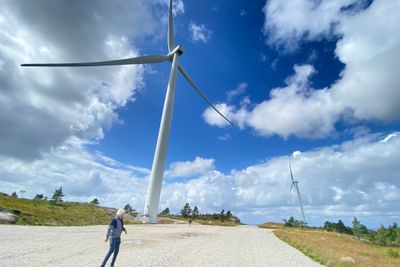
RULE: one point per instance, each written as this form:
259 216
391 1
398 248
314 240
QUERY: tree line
188 213
56 198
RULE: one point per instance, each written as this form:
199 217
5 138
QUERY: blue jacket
115 228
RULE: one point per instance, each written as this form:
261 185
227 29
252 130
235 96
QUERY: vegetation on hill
334 249
336 244
193 215
55 212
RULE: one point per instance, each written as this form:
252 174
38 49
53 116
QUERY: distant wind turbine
174 53
296 185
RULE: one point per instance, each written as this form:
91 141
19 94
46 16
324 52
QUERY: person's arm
110 229
123 227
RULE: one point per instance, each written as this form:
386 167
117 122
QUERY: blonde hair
121 212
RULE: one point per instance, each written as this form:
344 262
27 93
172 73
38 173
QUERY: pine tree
229 214
222 215
358 229
57 196
129 208
186 211
195 212
166 211
38 197
95 201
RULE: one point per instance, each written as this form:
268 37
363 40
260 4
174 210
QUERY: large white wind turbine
174 52
295 184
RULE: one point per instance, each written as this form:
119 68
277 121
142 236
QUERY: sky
314 81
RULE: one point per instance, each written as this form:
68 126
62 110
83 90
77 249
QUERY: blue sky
318 77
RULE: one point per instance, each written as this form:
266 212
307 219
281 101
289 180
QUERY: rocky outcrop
8 218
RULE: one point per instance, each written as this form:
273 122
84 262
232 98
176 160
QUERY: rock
6 217
347 259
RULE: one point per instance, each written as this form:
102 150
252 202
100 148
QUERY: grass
42 213
330 249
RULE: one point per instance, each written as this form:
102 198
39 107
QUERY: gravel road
147 245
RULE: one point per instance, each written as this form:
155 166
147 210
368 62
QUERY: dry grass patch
333 249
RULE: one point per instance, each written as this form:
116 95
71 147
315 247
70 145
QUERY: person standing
113 235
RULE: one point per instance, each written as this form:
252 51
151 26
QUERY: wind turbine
174 53
296 185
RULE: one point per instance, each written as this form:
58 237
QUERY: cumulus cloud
359 178
288 22
367 88
190 168
82 175
295 109
42 107
199 32
368 47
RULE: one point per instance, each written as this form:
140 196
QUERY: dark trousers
114 248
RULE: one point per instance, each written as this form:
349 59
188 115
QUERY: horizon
317 82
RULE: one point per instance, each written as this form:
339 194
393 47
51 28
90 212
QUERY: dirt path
147 245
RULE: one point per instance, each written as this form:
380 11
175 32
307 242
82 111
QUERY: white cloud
44 107
356 178
190 168
81 174
295 109
199 32
369 84
238 116
224 137
239 90
288 22
367 88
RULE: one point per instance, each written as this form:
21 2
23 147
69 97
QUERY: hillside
40 212
335 249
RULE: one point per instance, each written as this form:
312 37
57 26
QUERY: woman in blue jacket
114 236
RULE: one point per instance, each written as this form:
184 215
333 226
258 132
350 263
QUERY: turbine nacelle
179 50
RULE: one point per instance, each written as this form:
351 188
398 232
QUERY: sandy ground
147 245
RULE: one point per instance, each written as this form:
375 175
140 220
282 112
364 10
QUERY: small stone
347 259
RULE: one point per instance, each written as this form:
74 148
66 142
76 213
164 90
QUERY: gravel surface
147 245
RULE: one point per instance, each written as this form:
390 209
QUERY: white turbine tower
174 53
295 184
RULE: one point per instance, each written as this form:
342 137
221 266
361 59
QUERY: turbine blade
127 61
290 168
171 41
186 75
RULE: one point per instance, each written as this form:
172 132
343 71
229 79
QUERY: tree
14 194
38 197
292 222
95 201
129 208
358 229
57 196
229 214
166 211
195 212
186 211
222 215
